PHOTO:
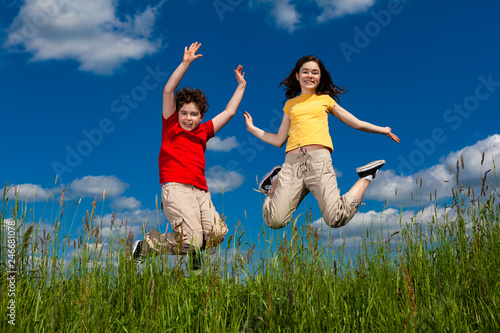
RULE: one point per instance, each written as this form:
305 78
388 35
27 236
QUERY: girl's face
309 76
189 116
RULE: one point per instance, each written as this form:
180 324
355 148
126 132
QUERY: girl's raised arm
176 77
349 119
278 139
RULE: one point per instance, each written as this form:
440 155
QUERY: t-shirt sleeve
168 122
209 129
331 104
286 108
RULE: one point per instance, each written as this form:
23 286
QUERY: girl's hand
248 121
240 75
391 136
190 54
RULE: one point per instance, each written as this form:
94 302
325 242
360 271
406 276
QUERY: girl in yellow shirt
308 166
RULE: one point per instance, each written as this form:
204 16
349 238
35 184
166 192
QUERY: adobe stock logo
222 6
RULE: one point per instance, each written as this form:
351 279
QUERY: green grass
440 275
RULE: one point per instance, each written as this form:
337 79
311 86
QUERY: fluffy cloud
378 224
437 181
87 187
31 192
86 31
121 223
289 14
91 186
216 144
220 179
332 9
125 203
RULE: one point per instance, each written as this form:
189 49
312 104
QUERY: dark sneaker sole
137 249
268 175
371 166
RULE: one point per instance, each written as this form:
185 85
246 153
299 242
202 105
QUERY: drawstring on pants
304 165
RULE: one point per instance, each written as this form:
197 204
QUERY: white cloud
378 224
122 222
216 144
332 9
87 187
91 186
31 192
287 14
220 179
86 31
437 180
125 203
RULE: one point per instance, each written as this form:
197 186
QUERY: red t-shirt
182 153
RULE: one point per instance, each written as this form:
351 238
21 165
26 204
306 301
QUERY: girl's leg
366 174
285 195
336 210
359 188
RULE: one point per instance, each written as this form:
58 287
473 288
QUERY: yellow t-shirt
309 120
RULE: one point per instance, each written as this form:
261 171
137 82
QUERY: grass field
440 275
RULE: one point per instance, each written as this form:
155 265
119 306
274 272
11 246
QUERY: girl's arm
222 118
277 139
176 77
350 120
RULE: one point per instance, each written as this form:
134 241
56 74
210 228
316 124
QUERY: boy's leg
158 243
289 191
214 228
184 215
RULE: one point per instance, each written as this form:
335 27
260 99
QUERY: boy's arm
176 77
222 118
278 139
349 119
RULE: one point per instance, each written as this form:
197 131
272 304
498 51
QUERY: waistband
316 155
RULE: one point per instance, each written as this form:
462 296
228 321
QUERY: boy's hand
190 54
240 75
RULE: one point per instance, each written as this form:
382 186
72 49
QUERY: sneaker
195 261
266 183
137 253
370 170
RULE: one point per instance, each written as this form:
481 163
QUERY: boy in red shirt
185 198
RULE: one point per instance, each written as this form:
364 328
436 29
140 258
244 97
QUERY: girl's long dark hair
326 86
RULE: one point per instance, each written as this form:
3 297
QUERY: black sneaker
267 181
137 253
370 169
195 261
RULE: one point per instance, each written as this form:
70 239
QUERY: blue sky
81 92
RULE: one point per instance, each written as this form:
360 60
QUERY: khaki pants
194 220
303 173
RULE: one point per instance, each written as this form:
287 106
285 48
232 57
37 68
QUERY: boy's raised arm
222 118
176 77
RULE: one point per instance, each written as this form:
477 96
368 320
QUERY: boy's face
189 116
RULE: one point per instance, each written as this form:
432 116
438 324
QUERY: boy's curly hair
187 95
